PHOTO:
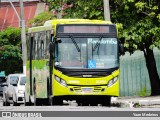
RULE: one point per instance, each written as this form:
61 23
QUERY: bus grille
95 89
77 89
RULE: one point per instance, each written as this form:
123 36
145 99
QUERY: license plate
88 90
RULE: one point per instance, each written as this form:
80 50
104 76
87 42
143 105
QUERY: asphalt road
67 106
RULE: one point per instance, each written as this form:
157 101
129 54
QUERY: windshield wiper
97 44
73 40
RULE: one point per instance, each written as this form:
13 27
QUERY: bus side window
35 48
46 45
28 45
42 50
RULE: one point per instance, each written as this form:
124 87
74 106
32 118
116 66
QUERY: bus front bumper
78 90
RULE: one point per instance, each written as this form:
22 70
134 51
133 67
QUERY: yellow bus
72 59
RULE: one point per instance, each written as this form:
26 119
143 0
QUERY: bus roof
39 28
51 24
55 22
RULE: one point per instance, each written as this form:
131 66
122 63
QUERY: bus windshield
87 53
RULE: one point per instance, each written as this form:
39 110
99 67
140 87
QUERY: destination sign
86 29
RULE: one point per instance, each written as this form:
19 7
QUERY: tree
87 9
40 19
10 54
140 21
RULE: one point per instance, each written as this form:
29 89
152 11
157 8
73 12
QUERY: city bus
72 59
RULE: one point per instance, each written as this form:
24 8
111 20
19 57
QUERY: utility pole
60 10
106 10
23 36
59 13
23 32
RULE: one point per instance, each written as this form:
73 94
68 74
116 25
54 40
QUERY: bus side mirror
121 49
58 40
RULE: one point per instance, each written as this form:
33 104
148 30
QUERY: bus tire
57 101
38 102
106 101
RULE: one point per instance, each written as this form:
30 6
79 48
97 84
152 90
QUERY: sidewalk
131 102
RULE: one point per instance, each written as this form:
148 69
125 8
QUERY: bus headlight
112 81
61 81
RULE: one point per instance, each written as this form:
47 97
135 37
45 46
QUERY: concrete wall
134 78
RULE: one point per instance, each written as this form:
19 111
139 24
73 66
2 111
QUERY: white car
14 91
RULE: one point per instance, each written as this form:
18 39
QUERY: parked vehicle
18 93
13 92
2 80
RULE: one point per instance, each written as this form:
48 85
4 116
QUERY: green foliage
140 21
143 92
87 9
40 19
10 36
10 51
137 105
10 54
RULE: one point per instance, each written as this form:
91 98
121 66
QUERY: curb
134 103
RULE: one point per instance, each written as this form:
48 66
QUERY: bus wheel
38 102
57 101
106 102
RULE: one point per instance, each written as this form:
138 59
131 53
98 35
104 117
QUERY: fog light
103 89
71 89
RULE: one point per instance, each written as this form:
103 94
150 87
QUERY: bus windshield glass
89 53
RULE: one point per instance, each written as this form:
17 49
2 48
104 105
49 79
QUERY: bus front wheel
106 101
57 101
